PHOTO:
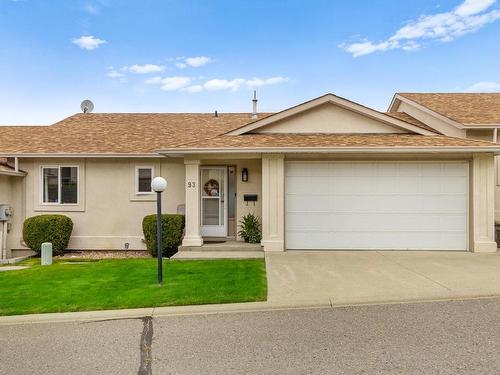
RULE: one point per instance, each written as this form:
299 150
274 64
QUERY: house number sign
191 184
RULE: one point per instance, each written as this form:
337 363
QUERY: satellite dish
87 106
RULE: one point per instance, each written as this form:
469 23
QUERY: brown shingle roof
142 133
465 108
262 141
135 133
117 133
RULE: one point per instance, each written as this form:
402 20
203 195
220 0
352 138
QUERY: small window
60 185
143 178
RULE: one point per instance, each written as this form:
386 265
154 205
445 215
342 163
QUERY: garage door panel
349 205
302 239
444 203
453 169
309 203
386 169
311 185
443 185
309 221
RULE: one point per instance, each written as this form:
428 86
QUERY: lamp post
159 184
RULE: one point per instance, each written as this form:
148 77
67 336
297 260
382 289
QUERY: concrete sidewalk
351 277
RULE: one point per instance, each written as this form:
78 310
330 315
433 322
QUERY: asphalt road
461 337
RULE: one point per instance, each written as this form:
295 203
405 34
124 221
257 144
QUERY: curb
191 310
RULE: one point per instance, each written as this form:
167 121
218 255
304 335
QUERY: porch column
273 202
192 236
483 203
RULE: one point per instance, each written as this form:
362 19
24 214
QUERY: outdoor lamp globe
159 184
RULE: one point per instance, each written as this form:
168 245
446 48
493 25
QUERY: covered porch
221 189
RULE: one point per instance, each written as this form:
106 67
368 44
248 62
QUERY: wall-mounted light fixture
244 175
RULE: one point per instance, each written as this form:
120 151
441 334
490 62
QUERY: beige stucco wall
109 214
5 189
329 118
253 186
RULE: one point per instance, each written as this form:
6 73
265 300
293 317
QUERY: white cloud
112 73
237 83
153 81
194 62
198 61
484 86
468 17
185 83
194 88
224 84
88 42
174 83
469 7
258 82
170 83
145 69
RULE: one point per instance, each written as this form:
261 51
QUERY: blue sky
199 56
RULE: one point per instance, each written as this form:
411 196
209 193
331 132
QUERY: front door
213 201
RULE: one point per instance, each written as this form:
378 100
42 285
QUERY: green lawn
128 283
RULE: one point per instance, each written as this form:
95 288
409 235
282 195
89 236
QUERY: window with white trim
143 178
59 184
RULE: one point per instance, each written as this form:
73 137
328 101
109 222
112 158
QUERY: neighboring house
463 115
326 174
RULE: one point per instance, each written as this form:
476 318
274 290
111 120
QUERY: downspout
3 238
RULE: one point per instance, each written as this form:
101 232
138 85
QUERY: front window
143 178
60 185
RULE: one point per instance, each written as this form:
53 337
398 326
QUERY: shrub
250 229
172 231
47 228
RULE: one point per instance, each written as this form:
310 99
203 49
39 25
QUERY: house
325 174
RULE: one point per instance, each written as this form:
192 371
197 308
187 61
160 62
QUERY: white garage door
349 205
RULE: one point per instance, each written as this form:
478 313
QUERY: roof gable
329 118
330 114
457 108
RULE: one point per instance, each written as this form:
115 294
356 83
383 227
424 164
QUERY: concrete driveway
344 277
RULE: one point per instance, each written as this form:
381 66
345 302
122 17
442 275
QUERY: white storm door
213 201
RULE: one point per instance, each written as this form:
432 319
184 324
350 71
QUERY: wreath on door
211 188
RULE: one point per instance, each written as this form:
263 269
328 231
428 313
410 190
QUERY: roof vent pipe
216 114
254 100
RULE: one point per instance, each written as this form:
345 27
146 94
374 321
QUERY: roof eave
409 149
9 172
81 155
